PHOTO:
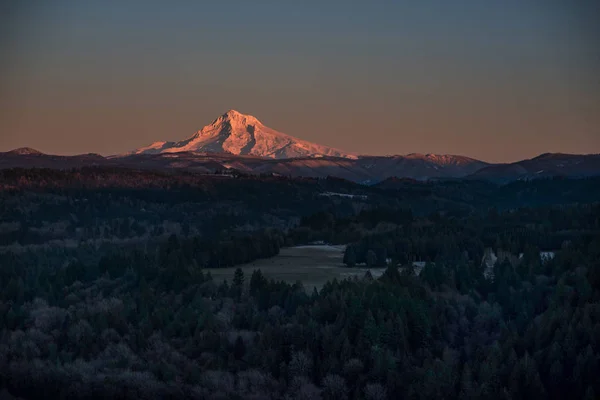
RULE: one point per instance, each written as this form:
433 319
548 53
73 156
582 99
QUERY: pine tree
467 387
589 394
350 257
239 348
371 330
238 277
371 258
257 282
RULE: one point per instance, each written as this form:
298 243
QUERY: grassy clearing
311 265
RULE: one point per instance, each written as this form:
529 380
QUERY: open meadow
312 265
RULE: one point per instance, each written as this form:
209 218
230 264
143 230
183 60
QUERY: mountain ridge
364 169
236 141
545 165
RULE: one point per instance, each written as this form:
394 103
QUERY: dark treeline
105 293
328 227
99 206
174 262
452 239
463 196
138 326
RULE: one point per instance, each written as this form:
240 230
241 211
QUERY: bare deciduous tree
300 365
334 387
375 391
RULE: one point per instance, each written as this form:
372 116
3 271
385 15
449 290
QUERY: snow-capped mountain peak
242 134
236 118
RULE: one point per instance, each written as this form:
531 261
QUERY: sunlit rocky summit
241 134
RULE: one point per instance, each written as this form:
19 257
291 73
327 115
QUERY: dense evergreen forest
105 293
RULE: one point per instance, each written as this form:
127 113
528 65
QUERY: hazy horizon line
123 154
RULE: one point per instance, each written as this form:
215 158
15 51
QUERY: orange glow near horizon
484 81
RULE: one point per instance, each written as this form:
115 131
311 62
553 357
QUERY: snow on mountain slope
240 134
23 151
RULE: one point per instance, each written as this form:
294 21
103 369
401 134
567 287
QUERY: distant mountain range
543 166
240 142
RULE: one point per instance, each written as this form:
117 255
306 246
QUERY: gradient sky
495 80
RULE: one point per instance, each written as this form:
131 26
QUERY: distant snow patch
546 255
349 196
324 247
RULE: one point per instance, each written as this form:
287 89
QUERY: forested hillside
105 292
